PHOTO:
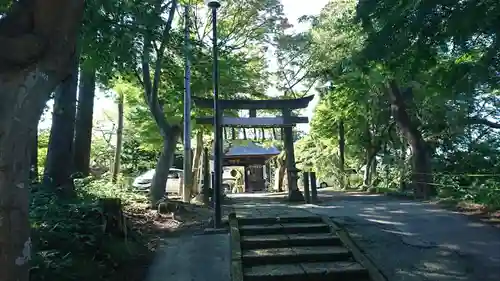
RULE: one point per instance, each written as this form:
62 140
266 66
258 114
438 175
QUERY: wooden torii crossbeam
286 121
255 104
256 122
285 105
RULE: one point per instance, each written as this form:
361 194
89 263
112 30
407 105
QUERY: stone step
285 228
279 219
310 271
289 240
295 255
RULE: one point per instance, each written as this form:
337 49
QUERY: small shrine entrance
254 159
286 122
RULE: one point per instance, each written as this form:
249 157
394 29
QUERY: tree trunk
36 45
119 139
280 175
169 132
24 95
421 164
367 177
402 167
165 161
114 221
373 169
15 241
342 154
57 170
34 158
197 161
84 117
366 174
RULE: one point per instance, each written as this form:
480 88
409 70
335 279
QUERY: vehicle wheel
323 185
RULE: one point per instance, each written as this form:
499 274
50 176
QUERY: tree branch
480 121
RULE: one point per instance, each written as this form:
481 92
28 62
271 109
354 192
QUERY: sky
293 10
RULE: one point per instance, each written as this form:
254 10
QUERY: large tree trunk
57 170
157 191
169 132
373 170
37 40
421 173
119 139
197 162
402 165
34 158
342 154
84 117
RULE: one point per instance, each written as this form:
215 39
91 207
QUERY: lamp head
213 3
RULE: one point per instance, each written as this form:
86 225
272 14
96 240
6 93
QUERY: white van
143 182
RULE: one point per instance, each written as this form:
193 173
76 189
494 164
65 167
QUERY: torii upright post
294 193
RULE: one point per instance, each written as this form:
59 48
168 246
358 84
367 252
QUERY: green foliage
68 236
354 48
43 145
242 67
136 159
5 6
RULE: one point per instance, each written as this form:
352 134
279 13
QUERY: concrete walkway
193 258
407 240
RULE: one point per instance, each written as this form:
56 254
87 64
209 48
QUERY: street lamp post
214 5
188 175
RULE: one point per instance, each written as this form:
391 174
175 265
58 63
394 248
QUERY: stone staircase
295 249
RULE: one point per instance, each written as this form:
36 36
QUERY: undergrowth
454 190
68 238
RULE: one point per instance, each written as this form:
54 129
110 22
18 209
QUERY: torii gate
287 121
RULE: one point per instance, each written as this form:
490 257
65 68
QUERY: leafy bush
68 237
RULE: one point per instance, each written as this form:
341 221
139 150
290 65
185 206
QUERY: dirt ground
156 229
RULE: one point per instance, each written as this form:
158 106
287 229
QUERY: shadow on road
408 240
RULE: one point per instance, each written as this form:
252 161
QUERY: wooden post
252 114
206 177
314 189
305 179
212 185
245 177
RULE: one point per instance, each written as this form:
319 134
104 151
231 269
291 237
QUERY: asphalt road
408 240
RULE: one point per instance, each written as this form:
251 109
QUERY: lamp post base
295 196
